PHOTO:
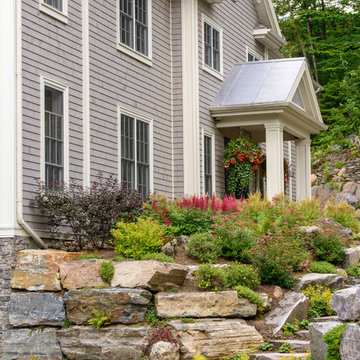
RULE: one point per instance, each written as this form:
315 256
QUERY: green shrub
209 277
253 297
355 271
100 319
339 164
89 256
333 338
327 245
289 329
284 348
319 298
150 316
158 257
322 267
204 247
134 240
187 320
238 274
106 270
266 346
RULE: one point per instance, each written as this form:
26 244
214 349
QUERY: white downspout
18 140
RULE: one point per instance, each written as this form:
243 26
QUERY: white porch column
274 159
303 169
7 116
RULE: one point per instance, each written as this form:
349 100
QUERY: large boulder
203 304
80 274
127 306
317 331
332 281
24 344
351 258
38 270
164 350
350 343
293 306
215 338
151 275
346 303
34 309
347 197
350 187
109 343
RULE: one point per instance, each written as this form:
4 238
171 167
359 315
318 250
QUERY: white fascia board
269 38
267 15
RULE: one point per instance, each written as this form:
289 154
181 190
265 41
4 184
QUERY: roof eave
269 38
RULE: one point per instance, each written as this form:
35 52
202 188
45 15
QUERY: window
134 25
211 46
208 165
54 135
252 55
135 153
57 9
56 4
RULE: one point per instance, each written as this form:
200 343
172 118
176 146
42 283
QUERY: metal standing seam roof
258 82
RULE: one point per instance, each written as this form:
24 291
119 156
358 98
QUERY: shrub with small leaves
319 298
253 297
266 346
289 329
158 257
285 348
106 270
100 319
322 267
209 277
89 256
204 247
355 271
239 274
333 339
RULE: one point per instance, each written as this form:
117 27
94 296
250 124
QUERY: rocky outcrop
172 246
34 309
23 344
38 270
351 258
203 304
332 281
79 274
350 344
151 275
110 343
346 303
126 306
163 350
215 338
292 306
317 331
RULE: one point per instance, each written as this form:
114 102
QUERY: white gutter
18 139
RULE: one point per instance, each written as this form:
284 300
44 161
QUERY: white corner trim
213 168
125 111
146 59
86 92
253 53
209 69
58 15
190 93
44 81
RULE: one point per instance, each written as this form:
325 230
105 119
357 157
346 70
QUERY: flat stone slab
346 303
108 343
332 281
38 270
303 334
163 350
81 273
215 338
150 275
278 356
317 331
295 345
203 305
23 344
350 343
294 306
34 309
127 306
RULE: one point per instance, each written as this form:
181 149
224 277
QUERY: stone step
303 334
278 356
324 319
295 345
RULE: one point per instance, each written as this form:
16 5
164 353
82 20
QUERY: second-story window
134 25
211 46
56 4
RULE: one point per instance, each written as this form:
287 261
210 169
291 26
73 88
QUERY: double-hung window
135 153
252 55
212 49
208 165
57 9
56 4
134 25
54 135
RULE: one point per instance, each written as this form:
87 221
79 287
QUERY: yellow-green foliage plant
134 240
199 357
309 209
319 298
100 319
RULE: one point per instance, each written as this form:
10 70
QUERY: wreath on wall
241 158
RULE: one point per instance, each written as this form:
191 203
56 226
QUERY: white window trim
207 68
58 15
149 120
147 60
253 53
213 182
65 90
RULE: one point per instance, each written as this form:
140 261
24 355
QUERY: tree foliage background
328 34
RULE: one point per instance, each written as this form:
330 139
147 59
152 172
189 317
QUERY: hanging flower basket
241 158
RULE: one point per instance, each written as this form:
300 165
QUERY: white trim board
56 14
